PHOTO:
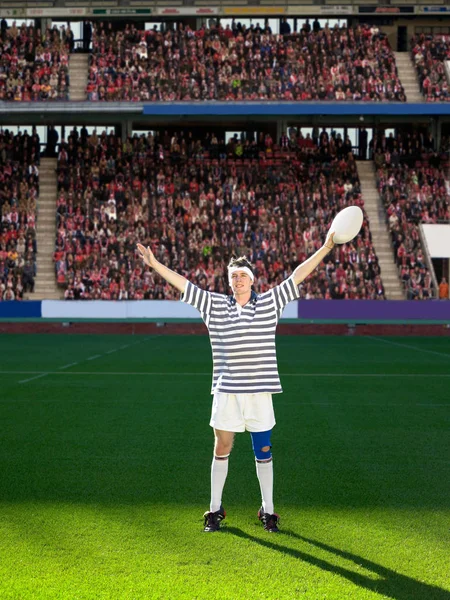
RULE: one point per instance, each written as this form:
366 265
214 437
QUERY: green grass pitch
105 453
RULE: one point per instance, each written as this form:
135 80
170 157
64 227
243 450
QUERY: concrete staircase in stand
78 74
45 283
381 237
408 77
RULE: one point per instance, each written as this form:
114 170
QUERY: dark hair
240 262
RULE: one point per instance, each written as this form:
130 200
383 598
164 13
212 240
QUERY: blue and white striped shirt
243 344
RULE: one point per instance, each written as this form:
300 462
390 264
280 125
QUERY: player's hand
146 254
329 243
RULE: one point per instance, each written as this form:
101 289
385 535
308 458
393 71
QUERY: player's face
241 283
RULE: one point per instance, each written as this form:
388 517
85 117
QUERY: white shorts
240 412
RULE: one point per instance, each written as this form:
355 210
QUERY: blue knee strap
261 439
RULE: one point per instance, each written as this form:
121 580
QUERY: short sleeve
284 293
198 298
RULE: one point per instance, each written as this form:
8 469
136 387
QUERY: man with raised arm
245 372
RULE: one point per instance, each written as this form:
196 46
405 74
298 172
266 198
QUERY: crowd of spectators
408 147
197 202
429 53
34 64
19 190
413 188
239 63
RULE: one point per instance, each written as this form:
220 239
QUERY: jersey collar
253 299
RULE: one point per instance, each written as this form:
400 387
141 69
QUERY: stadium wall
303 311
154 317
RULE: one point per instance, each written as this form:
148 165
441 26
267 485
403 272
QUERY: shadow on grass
391 584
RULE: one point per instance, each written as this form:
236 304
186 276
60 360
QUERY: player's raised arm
170 276
308 266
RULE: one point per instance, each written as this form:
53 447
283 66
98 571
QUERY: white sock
264 470
219 472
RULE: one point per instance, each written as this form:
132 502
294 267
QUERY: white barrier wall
438 239
131 309
110 309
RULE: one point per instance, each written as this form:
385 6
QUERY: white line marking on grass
69 365
353 404
170 374
209 374
94 357
409 346
33 378
123 347
363 374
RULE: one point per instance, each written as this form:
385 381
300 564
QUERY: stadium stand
258 193
34 66
429 53
19 190
242 64
197 202
413 186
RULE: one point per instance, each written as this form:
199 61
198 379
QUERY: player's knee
261 445
222 447
222 450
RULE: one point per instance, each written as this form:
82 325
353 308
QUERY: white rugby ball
347 224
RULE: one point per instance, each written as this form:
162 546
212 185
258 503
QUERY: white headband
232 270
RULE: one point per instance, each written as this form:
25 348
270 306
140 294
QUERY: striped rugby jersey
243 345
